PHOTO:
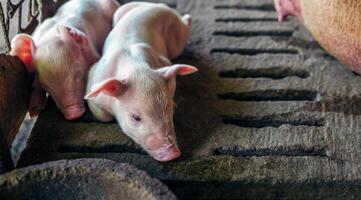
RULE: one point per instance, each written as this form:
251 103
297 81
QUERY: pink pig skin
62 50
288 7
134 80
335 24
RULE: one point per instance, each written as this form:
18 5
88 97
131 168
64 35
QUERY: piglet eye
136 118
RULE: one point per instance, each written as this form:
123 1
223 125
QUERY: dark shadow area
270 72
271 95
246 19
273 33
274 120
253 52
282 151
261 7
246 190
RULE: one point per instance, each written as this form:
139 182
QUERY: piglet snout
73 112
167 153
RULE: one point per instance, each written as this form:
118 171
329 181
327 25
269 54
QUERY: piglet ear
111 87
77 35
171 71
23 46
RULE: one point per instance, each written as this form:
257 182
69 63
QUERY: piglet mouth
167 153
73 112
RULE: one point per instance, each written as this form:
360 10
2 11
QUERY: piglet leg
37 99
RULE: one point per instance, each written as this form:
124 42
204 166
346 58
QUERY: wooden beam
15 87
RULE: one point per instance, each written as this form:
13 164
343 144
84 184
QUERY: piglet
61 52
134 80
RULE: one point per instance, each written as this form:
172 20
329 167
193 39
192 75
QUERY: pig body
62 50
335 24
134 80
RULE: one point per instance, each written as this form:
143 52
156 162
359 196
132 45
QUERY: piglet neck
148 56
93 57
90 54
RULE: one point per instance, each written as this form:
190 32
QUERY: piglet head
61 60
143 105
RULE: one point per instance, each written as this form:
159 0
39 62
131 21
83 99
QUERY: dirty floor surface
269 115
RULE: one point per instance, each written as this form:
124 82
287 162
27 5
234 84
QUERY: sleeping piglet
134 81
61 52
335 24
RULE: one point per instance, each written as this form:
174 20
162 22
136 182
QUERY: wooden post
15 82
15 87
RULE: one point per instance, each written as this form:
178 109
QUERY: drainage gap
263 7
246 19
271 95
274 121
254 33
102 149
172 5
317 151
271 72
252 52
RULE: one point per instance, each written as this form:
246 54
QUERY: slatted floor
269 115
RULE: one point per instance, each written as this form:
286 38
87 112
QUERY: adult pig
62 50
134 81
335 24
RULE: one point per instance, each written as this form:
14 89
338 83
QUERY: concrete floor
269 114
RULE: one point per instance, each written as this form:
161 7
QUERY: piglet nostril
167 153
